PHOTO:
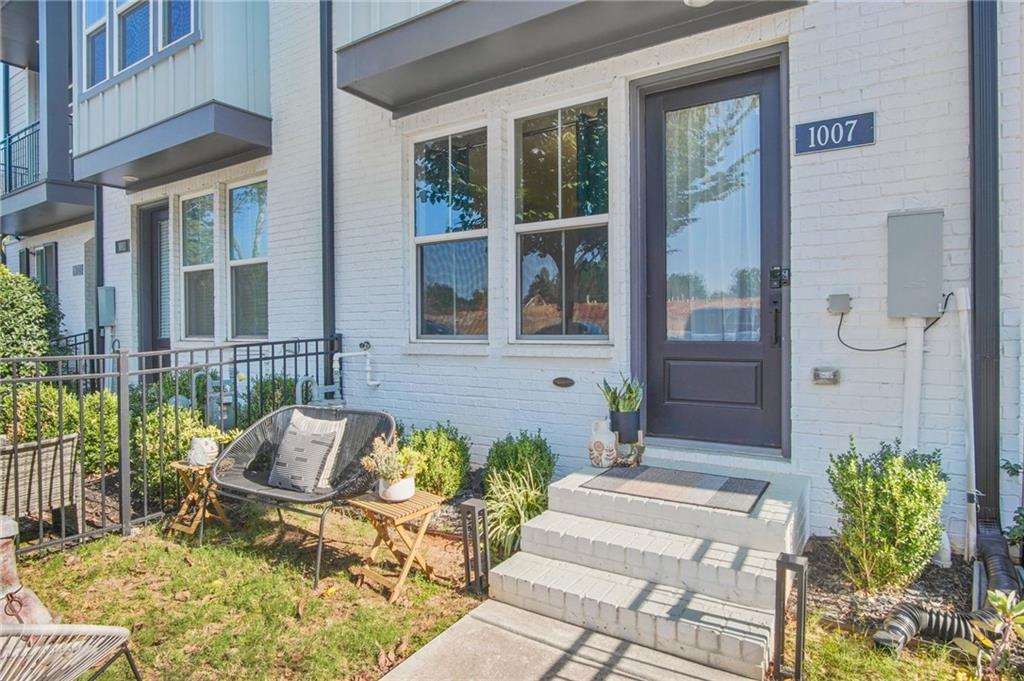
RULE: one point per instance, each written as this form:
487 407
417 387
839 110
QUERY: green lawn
243 605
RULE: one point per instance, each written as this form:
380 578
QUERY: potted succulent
624 408
395 468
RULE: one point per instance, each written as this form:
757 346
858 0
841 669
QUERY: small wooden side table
387 517
196 480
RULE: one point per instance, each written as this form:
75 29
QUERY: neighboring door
713 236
155 272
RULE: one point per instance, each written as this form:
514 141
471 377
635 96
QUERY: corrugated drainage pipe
908 620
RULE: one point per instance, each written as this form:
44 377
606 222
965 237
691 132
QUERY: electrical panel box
106 306
915 263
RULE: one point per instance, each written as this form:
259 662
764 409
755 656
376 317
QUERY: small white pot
402 490
602 445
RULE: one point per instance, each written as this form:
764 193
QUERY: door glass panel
164 283
713 221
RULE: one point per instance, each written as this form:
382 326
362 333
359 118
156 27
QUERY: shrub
94 441
29 318
526 451
445 459
170 384
55 406
513 497
889 508
263 395
169 444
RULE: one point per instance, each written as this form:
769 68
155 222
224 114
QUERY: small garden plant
993 638
445 458
516 477
624 398
391 462
889 506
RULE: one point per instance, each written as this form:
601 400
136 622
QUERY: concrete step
732 573
689 625
777 523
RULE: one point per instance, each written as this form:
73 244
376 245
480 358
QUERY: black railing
19 158
86 440
77 344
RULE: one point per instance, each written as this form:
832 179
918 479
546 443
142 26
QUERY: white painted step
777 522
733 573
693 626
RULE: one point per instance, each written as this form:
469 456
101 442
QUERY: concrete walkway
499 641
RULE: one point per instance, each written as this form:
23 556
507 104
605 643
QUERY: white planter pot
397 491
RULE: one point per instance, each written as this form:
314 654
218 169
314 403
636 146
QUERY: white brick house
908 63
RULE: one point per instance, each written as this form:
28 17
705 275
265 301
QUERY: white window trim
183 268
413 250
231 264
162 28
118 13
558 224
87 32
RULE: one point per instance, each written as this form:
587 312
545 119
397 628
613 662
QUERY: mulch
831 595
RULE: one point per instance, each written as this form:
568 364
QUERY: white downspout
913 369
963 313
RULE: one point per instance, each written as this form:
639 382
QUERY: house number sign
835 133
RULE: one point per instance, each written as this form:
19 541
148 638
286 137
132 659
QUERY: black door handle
776 322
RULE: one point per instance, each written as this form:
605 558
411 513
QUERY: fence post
123 436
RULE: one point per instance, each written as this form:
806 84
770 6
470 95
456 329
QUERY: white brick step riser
682 519
660 558
731 638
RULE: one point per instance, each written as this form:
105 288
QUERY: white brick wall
70 252
906 62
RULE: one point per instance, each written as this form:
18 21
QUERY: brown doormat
684 487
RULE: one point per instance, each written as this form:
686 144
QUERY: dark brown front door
713 236
155 280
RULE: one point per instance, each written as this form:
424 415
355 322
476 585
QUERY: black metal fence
86 439
77 344
19 158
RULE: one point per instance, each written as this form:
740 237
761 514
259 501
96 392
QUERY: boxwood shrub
444 465
521 452
30 319
41 409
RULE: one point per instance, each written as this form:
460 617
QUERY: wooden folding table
387 517
196 480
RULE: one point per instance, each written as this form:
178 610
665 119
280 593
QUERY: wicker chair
242 471
41 475
60 652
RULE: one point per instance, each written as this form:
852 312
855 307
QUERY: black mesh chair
242 471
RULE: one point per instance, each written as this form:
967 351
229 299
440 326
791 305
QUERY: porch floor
518 645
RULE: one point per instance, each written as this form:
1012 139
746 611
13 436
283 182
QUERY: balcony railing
19 158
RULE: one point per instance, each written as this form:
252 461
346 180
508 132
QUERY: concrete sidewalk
499 641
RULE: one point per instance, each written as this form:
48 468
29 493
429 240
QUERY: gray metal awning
209 136
19 33
466 48
44 206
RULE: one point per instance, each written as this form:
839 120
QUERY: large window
248 260
451 235
561 222
95 23
134 41
197 265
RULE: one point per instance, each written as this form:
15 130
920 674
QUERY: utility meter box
106 306
915 263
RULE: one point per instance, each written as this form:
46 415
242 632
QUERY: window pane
432 187
249 221
585 160
713 221
249 300
537 181
469 181
134 35
586 281
94 11
453 288
197 231
564 283
177 19
541 283
199 303
97 57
